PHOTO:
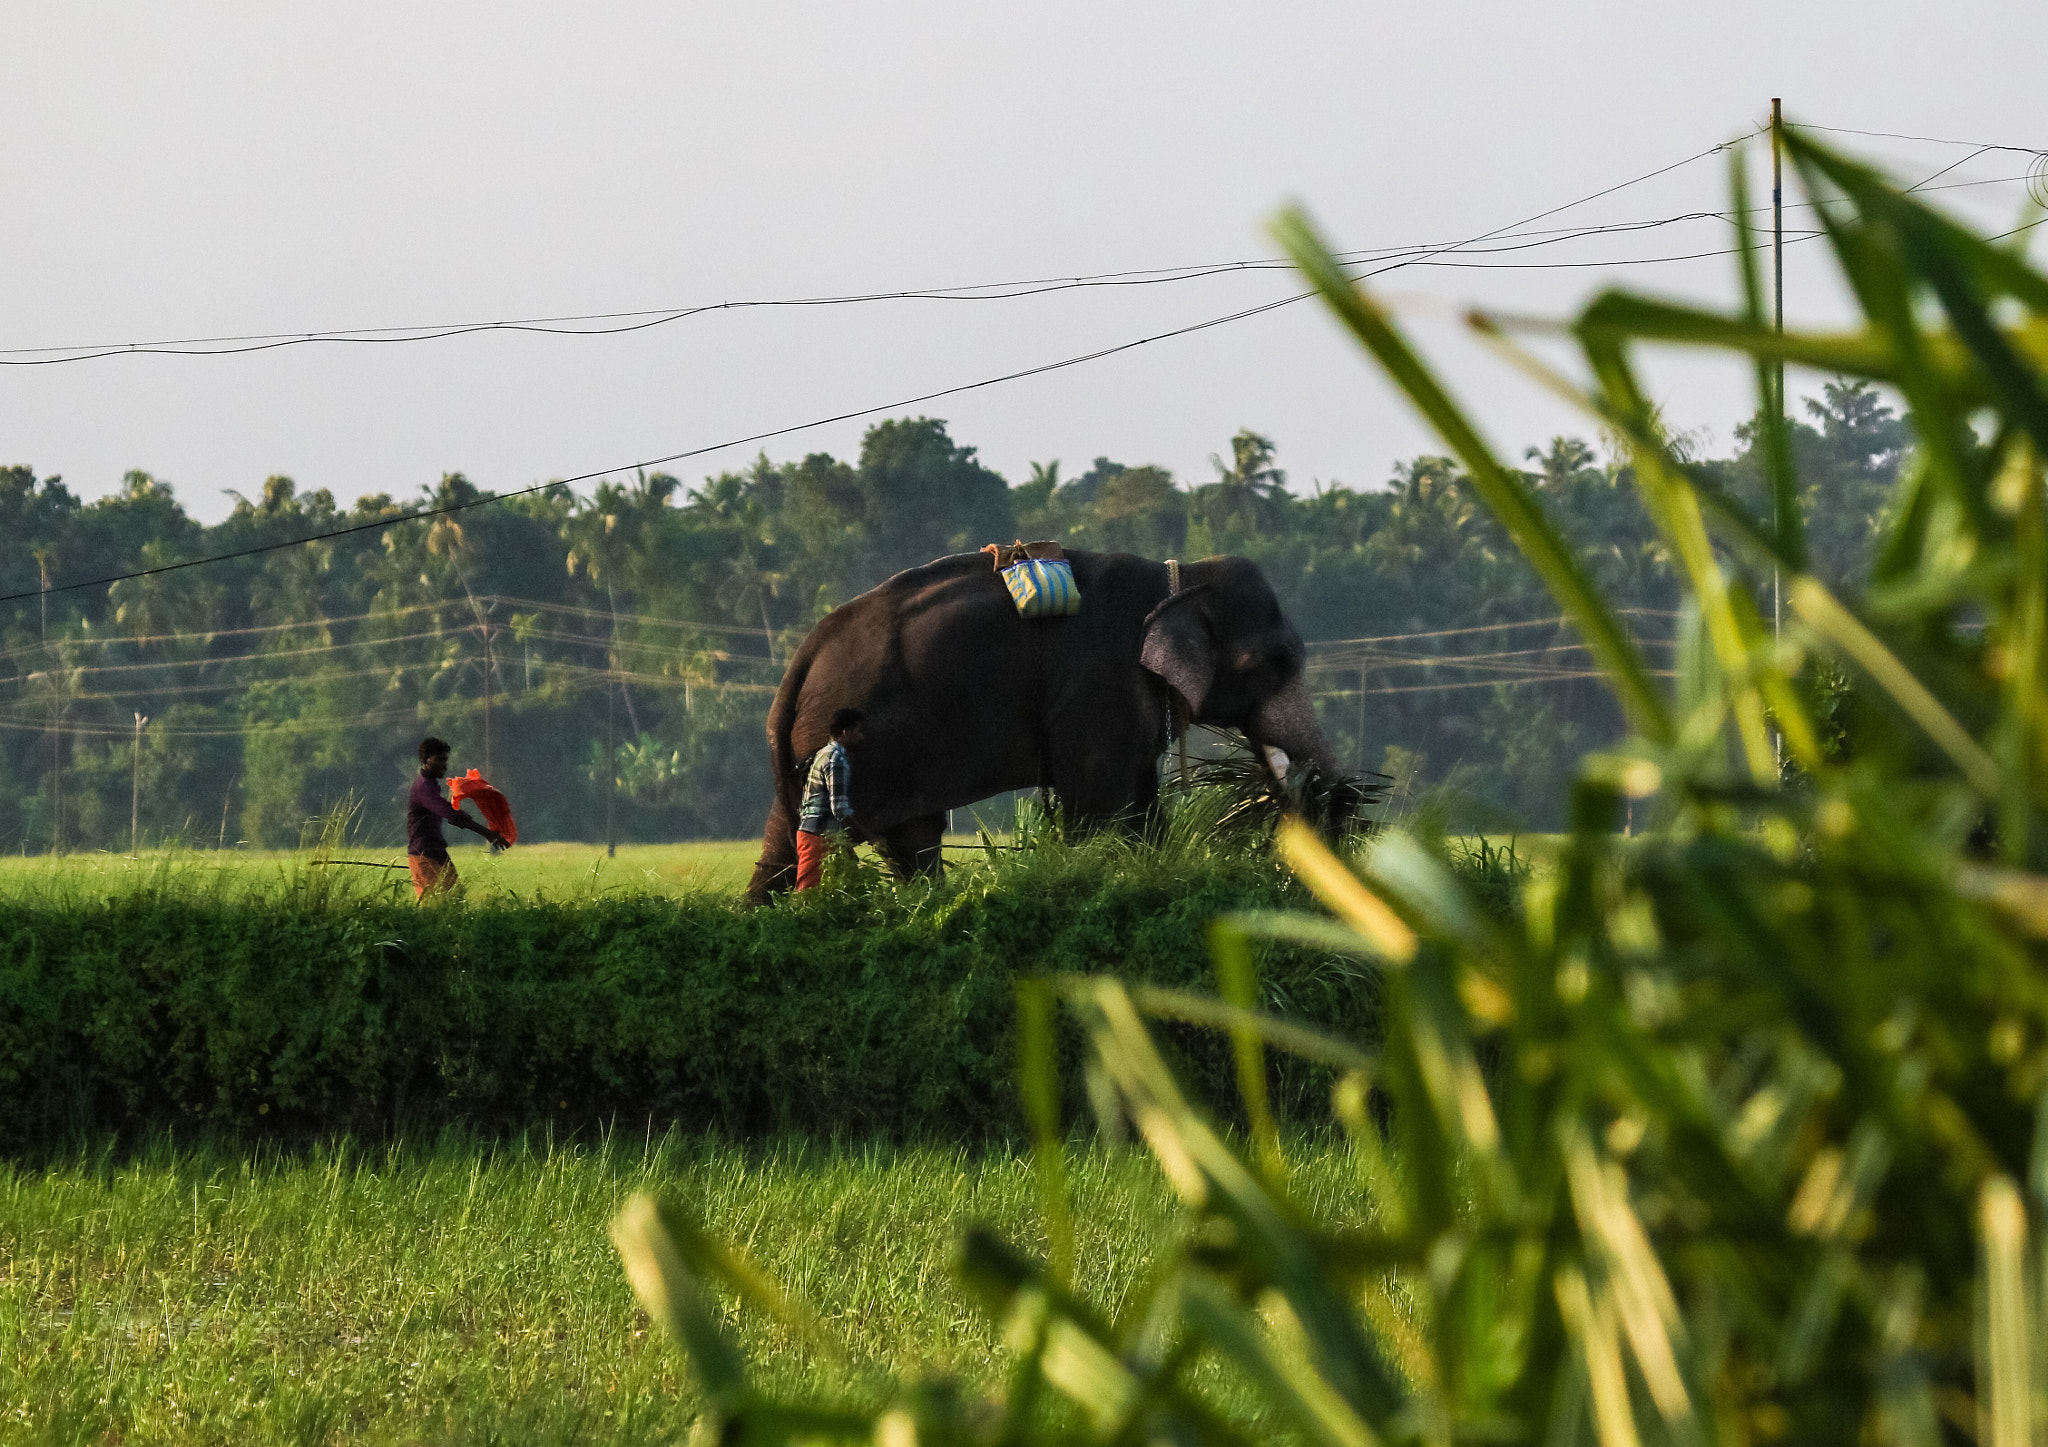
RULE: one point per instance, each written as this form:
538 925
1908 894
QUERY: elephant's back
932 655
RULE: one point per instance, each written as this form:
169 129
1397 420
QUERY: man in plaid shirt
828 799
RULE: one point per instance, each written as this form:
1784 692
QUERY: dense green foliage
327 1005
1739 1132
562 642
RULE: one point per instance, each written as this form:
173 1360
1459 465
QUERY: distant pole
1778 294
135 792
1778 371
490 666
611 768
56 714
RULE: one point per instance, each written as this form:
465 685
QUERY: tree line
608 659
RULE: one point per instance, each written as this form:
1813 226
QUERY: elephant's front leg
912 847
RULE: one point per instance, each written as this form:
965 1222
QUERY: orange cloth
811 850
497 811
436 876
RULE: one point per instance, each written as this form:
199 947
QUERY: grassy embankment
321 1005
467 1292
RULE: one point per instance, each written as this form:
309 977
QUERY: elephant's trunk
1287 721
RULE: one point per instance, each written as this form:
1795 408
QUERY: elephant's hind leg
912 847
775 873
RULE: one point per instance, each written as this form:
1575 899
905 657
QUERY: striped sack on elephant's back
1043 588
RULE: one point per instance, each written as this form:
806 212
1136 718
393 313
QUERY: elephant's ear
1179 646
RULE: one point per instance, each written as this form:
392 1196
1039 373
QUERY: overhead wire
459 605
1487 628
1929 140
513 633
232 343
642 319
1483 683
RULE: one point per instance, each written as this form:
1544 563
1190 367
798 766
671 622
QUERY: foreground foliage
1737 1134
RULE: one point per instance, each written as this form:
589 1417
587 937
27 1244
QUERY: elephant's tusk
1277 761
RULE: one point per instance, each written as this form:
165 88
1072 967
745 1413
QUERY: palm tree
745 575
1564 460
1248 488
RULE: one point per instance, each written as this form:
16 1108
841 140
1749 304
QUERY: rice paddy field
465 1291
530 871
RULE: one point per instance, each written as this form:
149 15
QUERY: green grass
464 1292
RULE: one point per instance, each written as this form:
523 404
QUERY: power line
1480 683
232 344
453 634
1929 140
98 669
587 680
1100 353
461 605
617 323
1485 628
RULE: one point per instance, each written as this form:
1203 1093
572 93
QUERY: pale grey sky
205 168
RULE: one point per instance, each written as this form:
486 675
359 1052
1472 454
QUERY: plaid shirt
828 804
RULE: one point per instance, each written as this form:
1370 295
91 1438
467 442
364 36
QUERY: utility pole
1777 400
490 667
56 712
135 793
611 767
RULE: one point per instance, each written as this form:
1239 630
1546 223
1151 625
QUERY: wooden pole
611 769
1778 384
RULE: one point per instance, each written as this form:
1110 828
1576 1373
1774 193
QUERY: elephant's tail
781 726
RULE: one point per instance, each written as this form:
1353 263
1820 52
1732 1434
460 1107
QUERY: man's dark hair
431 746
844 719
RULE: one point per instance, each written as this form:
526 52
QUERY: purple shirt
424 811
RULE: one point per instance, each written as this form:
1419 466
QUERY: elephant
964 699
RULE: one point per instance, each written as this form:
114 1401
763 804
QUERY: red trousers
431 876
811 850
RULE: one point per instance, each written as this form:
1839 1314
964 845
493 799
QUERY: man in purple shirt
426 848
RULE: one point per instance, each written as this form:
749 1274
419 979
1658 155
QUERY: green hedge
870 1010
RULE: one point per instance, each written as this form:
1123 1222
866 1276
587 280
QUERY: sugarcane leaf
1788 529
649 1239
1822 612
1238 981
1192 1009
1272 1241
1038 1071
1289 1384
